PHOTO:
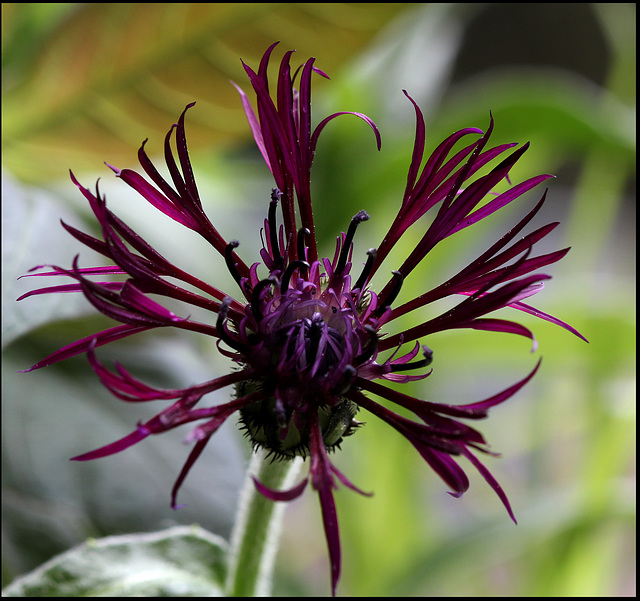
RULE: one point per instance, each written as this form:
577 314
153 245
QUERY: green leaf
185 561
107 76
32 235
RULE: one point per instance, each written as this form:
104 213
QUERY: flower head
311 342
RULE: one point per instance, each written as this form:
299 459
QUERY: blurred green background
86 83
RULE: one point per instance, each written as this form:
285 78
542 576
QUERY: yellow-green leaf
84 83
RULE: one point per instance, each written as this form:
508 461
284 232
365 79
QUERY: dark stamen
257 293
344 253
366 271
345 381
273 226
302 253
284 284
370 347
393 294
222 330
228 257
428 358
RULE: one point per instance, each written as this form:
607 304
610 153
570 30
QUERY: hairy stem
254 540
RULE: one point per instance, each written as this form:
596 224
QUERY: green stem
254 540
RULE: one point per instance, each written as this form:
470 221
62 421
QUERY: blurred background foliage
86 83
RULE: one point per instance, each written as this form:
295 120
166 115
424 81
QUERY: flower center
304 342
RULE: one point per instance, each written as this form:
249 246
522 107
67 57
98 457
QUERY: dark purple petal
264 63
185 163
462 315
139 301
471 285
486 474
542 315
280 495
348 483
176 415
155 197
128 388
270 124
172 197
57 271
93 200
323 123
202 435
217 415
501 325
332 532
152 264
82 345
432 446
67 288
193 457
480 408
322 481
98 245
418 150
445 466
499 202
456 207
254 125
304 119
115 447
109 303
486 267
426 410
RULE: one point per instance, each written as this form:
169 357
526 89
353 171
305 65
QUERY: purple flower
311 343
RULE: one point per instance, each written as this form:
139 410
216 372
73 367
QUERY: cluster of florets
307 331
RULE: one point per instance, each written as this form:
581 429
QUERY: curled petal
280 495
481 407
348 483
501 325
323 123
445 466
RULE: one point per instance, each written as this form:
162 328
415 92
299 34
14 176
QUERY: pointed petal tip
79 458
115 169
74 179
